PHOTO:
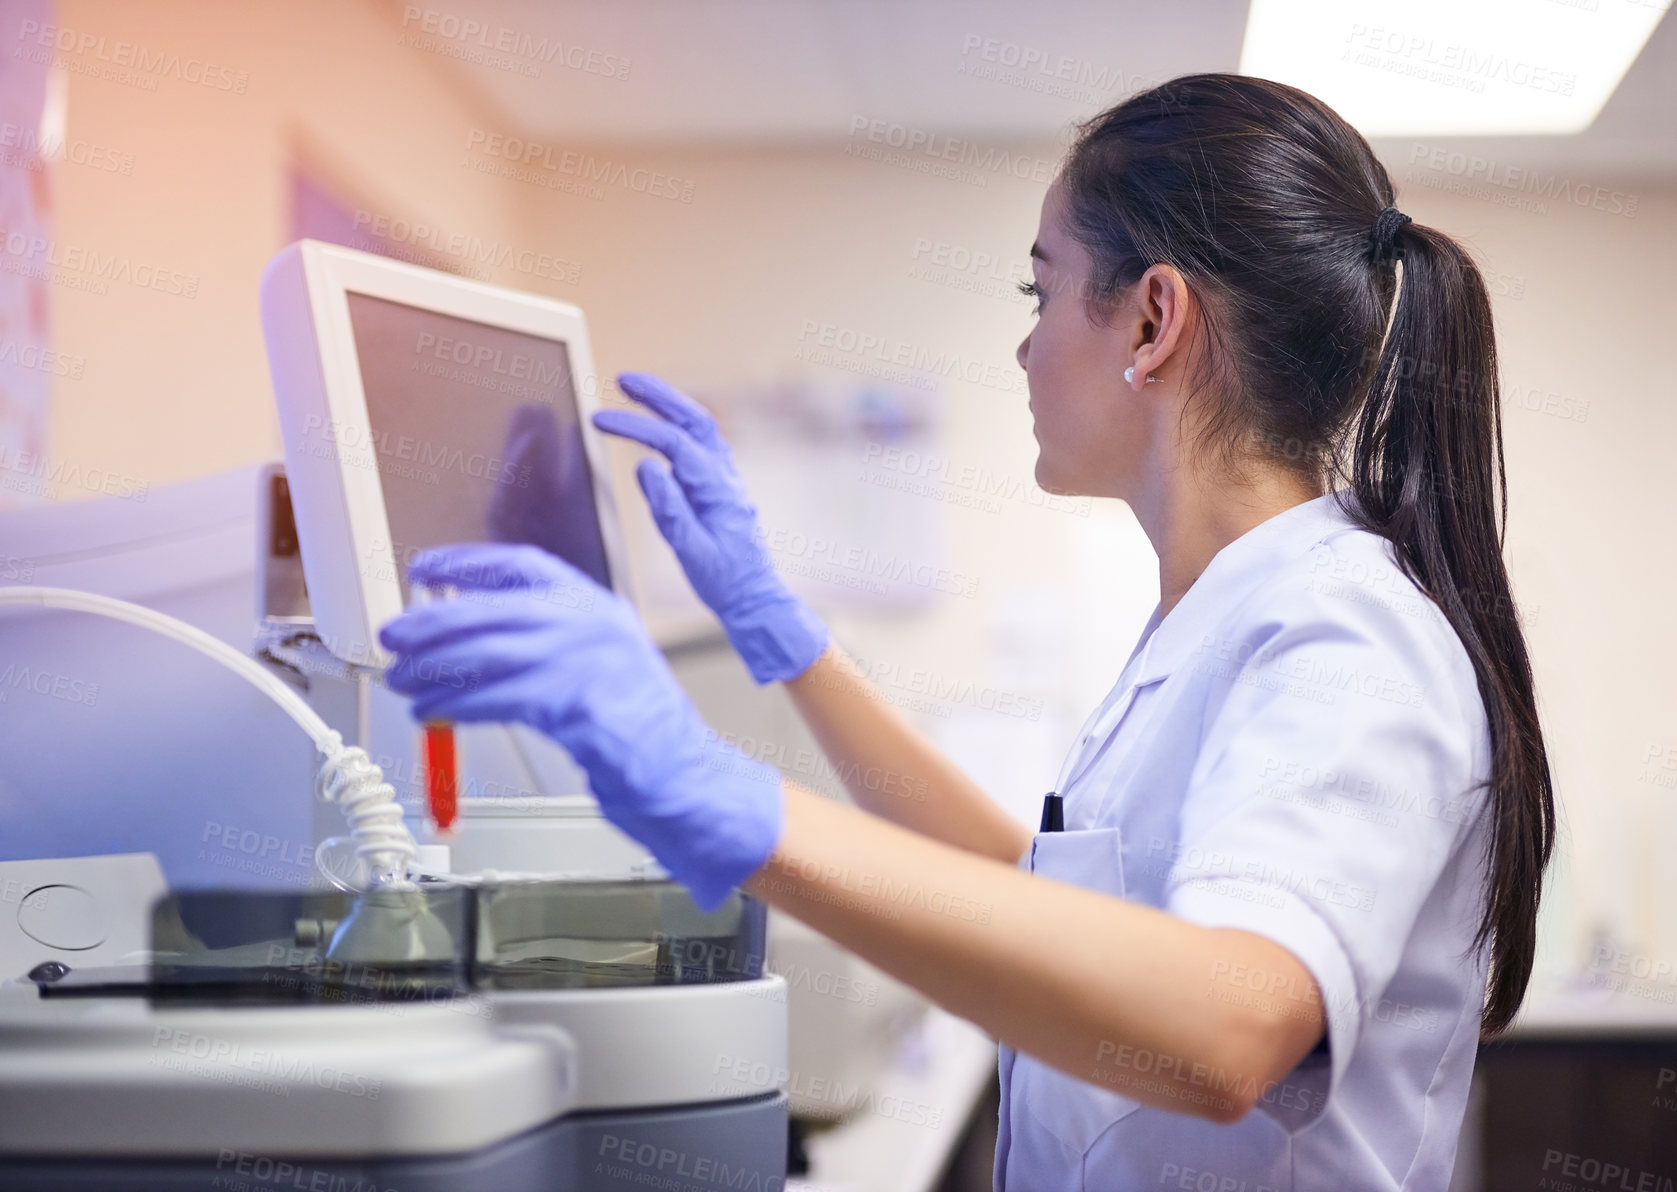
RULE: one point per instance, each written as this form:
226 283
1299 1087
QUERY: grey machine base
737 1145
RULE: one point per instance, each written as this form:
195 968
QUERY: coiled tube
347 776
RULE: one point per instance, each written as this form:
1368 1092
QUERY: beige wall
1584 314
175 386
718 289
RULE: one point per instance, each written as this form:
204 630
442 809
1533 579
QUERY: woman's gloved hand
532 639
706 516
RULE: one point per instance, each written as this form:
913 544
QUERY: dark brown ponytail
1427 468
1268 203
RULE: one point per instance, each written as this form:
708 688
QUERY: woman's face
1094 431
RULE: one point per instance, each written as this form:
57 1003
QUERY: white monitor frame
338 497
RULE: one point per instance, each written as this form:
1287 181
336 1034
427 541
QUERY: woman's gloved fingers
516 684
670 510
493 567
526 625
673 443
699 471
469 662
641 428
430 625
661 397
529 620
462 707
501 703
480 566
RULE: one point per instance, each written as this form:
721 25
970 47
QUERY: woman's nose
1024 350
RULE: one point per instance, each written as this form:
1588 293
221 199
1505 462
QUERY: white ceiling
764 71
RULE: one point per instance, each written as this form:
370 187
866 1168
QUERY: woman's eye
1029 290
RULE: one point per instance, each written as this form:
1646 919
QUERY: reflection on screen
477 435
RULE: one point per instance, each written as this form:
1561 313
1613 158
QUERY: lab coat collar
1231 575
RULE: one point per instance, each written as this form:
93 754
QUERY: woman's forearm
1120 995
892 770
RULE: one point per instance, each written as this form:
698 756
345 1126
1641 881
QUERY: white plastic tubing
347 776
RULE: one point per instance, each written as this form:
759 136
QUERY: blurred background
812 214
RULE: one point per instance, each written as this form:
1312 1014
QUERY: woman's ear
1163 306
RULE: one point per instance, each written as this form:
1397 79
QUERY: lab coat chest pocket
1074 1111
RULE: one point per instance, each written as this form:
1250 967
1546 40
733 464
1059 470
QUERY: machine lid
442 939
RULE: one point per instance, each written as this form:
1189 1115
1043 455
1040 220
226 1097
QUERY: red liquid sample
442 785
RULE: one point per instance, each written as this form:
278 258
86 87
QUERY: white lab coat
1293 751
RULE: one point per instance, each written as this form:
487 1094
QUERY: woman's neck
1188 523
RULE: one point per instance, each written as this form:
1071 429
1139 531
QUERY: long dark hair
1266 202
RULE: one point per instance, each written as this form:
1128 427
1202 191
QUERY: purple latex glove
532 639
705 514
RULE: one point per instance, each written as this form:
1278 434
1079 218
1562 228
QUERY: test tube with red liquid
442 770
442 784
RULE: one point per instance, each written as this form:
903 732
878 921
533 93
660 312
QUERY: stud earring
1129 375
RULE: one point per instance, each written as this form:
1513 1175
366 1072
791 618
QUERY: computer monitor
419 408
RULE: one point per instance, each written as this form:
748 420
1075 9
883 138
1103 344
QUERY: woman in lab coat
1303 837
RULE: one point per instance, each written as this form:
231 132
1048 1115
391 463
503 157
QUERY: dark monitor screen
477 435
